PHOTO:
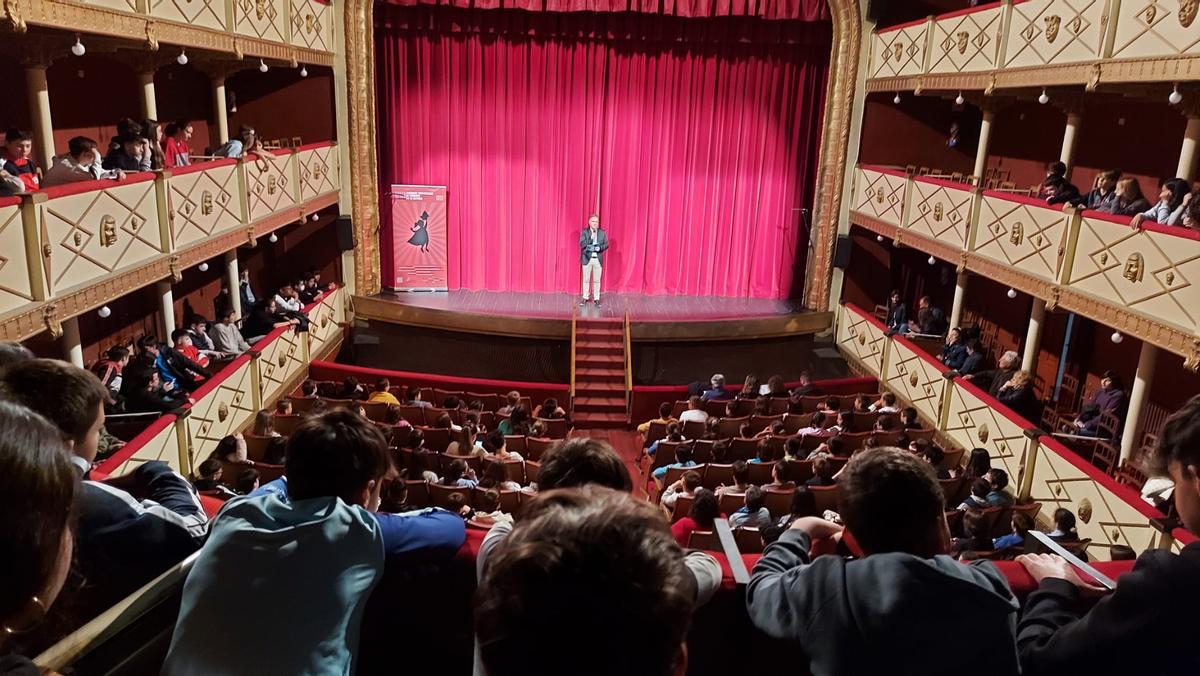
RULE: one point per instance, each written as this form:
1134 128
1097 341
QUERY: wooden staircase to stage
601 378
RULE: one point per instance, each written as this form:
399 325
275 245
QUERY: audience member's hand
120 175
1137 220
464 510
968 377
816 528
1042 566
376 500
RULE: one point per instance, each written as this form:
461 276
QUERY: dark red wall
280 103
915 132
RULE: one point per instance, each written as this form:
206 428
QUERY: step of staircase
599 374
599 389
603 361
593 420
610 404
600 347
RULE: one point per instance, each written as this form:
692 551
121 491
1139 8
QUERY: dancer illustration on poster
420 230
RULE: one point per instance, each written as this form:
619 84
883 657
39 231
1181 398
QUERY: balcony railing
1089 262
1086 35
227 403
1042 469
69 248
282 26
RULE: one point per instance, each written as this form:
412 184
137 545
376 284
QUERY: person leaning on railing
1148 623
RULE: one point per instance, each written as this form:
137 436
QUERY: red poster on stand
419 238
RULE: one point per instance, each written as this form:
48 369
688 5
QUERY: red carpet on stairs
601 400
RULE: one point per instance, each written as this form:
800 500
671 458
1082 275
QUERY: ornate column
1191 138
146 90
985 138
72 345
1070 133
1033 335
1131 432
166 309
960 292
36 64
233 278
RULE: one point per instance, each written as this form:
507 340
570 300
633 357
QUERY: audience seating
535 448
778 501
717 475
703 539
556 428
683 505
749 540
693 429
760 472
731 501
826 497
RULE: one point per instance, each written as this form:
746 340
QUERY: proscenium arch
359 41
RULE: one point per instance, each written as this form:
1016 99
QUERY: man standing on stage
593 242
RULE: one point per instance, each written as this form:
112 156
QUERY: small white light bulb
273 238
182 59
78 49
303 71
104 312
315 218
878 238
1117 337
1175 96
203 267
1012 293
932 260
1044 98
896 100
262 66
959 99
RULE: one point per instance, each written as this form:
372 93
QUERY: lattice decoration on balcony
862 340
880 195
1022 236
268 184
310 19
1101 516
121 5
1055 31
916 380
15 290
163 446
967 42
221 412
318 172
900 52
206 13
283 358
975 424
97 233
260 18
1150 28
1144 271
940 213
204 204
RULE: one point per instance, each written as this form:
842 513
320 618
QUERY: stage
548 315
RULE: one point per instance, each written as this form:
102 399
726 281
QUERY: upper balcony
1024 43
1138 280
299 31
70 248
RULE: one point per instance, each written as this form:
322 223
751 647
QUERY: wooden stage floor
548 315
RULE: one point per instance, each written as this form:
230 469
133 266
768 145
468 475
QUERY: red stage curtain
695 140
804 10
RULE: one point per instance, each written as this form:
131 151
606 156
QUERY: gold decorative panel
269 185
121 5
1145 271
325 322
318 171
966 42
94 234
974 423
204 204
163 446
1057 482
16 286
312 24
281 360
916 378
900 51
880 193
205 13
1022 233
940 210
226 409
861 338
1052 32
265 19
1150 28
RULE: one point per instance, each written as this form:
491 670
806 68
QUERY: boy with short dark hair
81 163
324 527
1154 604
619 565
19 162
998 496
886 612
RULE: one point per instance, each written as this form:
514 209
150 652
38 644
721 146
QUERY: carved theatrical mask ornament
898 51
1017 235
983 433
206 203
1134 267
1052 24
963 40
108 231
222 411
1187 12
272 185
1084 510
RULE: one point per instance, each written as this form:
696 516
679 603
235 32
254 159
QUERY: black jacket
889 614
992 380
186 373
897 318
1153 605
